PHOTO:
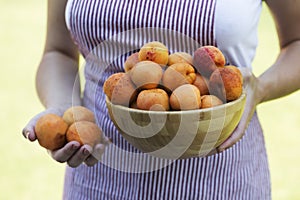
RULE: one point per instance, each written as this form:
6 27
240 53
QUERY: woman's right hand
72 153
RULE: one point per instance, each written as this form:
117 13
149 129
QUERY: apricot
185 97
146 74
207 59
226 84
120 89
177 75
201 83
78 113
180 57
131 61
208 101
154 51
153 99
50 131
237 70
110 83
84 132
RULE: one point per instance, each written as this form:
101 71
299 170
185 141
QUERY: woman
239 170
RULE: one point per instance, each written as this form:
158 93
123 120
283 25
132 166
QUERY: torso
107 31
232 25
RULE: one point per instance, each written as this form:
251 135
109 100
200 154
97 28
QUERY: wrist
62 105
262 90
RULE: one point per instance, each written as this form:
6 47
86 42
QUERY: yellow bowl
177 134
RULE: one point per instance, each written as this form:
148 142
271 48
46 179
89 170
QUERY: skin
59 67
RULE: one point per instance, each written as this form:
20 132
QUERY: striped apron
107 32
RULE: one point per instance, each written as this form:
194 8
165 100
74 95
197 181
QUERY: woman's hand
72 153
253 98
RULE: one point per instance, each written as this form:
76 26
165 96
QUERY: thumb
29 130
234 137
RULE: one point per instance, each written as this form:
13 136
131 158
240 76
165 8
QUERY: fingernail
100 148
107 140
220 150
27 134
30 136
86 152
75 146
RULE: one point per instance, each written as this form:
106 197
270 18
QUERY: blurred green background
27 172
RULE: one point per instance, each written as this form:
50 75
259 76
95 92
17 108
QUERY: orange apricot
154 51
185 97
131 61
226 84
120 89
201 83
78 113
208 58
50 131
153 99
208 101
177 75
146 74
180 57
237 70
84 132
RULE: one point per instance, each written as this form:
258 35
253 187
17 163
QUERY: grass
27 172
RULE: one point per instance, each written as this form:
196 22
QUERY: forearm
57 80
283 77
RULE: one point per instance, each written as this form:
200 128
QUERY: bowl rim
219 107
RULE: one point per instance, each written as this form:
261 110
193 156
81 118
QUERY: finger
91 161
241 127
28 133
245 71
79 157
96 155
212 152
106 140
65 153
234 138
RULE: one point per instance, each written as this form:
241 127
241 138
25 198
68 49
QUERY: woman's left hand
253 98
